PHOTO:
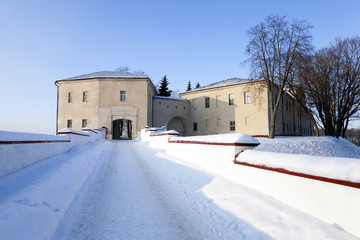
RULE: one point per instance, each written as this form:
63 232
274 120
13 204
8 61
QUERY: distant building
124 103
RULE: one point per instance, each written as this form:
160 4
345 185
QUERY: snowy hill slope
317 146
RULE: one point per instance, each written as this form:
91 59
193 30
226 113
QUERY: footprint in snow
26 202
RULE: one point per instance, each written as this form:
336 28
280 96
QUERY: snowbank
317 146
34 199
18 150
347 169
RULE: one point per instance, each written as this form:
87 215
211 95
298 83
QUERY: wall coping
35 141
215 143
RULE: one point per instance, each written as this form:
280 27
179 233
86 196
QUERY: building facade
124 103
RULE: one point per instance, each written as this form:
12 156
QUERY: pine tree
188 86
197 85
163 89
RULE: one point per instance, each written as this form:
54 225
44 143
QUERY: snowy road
137 192
124 199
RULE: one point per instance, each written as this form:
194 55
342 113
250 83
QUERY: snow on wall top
170 98
223 83
220 138
106 74
21 136
69 130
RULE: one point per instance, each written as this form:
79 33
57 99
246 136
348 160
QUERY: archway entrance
176 124
122 129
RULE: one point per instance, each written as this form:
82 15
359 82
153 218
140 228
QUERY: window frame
232 125
84 123
85 96
195 126
231 99
123 96
207 102
247 97
70 97
69 123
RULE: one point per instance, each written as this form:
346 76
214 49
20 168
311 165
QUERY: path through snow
141 193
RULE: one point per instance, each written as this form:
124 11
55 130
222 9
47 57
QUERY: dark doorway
122 129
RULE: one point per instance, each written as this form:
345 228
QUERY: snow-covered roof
106 74
170 98
223 83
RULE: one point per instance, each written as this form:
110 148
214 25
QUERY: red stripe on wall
215 143
303 175
25 142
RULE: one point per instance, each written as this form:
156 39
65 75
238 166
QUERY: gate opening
122 129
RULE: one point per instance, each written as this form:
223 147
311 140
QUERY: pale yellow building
242 105
119 101
124 103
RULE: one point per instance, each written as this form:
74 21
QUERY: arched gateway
122 129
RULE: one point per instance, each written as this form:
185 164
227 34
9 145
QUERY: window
85 96
69 123
207 122
194 126
218 122
232 125
84 123
247 121
217 101
123 96
70 97
231 99
247 97
207 102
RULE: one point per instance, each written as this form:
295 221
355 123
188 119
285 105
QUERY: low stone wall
331 200
18 150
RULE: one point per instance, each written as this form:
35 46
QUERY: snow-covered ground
317 146
126 190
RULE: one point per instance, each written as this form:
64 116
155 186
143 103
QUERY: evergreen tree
188 86
197 85
163 89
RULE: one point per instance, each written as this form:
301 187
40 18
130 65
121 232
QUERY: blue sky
201 41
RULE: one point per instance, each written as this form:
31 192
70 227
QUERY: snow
317 146
69 130
219 138
347 169
127 190
171 98
106 74
21 136
223 83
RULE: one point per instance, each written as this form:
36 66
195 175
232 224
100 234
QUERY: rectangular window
70 97
218 122
69 123
217 101
231 99
85 96
207 122
194 126
84 123
232 125
247 121
122 96
247 97
207 102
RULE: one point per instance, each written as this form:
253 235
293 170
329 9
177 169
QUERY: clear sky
202 41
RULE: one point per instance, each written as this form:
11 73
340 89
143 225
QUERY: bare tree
122 68
274 49
331 78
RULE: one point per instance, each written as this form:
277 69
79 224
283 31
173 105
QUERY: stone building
124 103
